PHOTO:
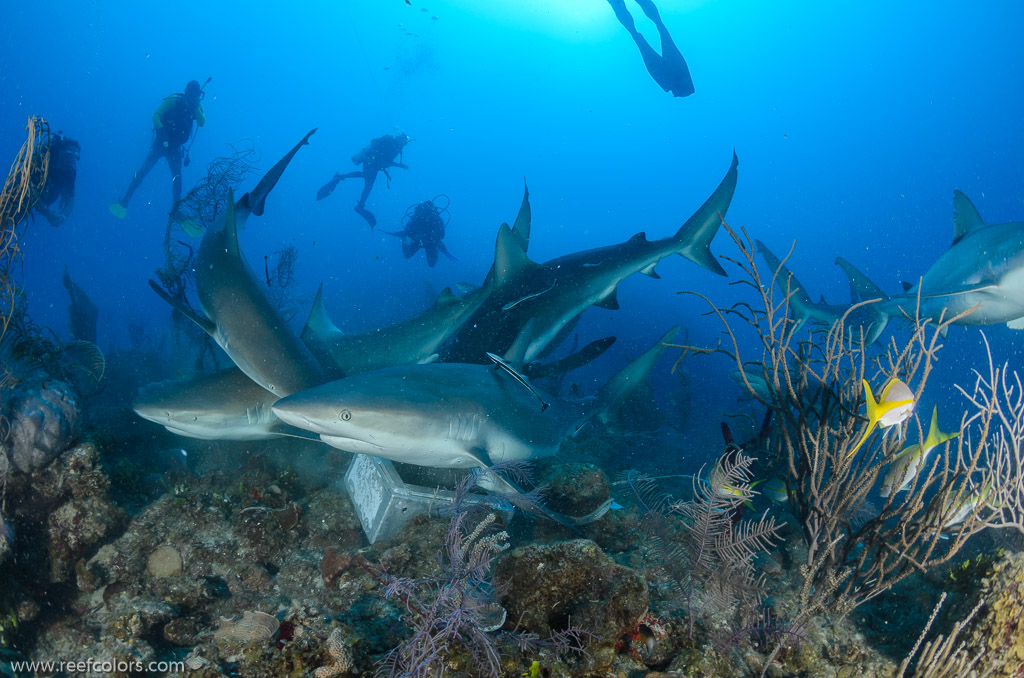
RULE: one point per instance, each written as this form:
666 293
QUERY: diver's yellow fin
118 210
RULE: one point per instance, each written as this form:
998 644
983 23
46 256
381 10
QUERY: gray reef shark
415 340
984 265
451 415
555 293
868 317
236 310
225 405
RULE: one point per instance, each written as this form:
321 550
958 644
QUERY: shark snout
294 413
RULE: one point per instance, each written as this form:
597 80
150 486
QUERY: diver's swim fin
444 250
192 227
329 187
118 210
366 214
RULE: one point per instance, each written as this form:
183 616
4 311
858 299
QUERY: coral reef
549 586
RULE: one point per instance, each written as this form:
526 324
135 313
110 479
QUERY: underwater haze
853 124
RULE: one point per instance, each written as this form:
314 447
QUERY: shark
225 405
452 415
802 309
414 340
983 265
235 309
555 293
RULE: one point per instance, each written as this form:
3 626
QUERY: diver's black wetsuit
380 155
669 68
60 181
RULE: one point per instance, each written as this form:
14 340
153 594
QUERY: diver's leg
409 247
174 162
623 15
368 180
155 151
672 72
431 253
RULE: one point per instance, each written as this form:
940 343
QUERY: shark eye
345 415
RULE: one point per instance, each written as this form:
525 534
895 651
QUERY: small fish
907 464
775 489
959 512
500 362
892 409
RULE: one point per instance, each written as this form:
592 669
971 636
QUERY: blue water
853 123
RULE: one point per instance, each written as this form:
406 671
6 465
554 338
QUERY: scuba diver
60 180
375 158
669 68
424 226
172 128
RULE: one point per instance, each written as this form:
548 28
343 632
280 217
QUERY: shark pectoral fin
204 323
965 217
257 197
1017 324
630 377
611 302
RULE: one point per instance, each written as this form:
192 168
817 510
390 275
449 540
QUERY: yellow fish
892 409
907 464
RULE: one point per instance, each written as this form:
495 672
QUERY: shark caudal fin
254 201
620 386
695 236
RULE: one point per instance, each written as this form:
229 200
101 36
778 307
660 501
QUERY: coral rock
164 561
44 420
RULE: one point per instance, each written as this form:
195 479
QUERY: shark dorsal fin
510 259
859 283
446 297
965 216
637 239
521 228
231 226
906 286
319 325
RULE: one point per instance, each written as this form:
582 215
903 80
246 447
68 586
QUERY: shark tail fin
695 236
628 378
799 300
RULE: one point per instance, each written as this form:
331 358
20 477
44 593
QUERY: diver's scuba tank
359 157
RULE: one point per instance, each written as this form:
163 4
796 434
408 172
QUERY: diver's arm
199 115
401 165
158 117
